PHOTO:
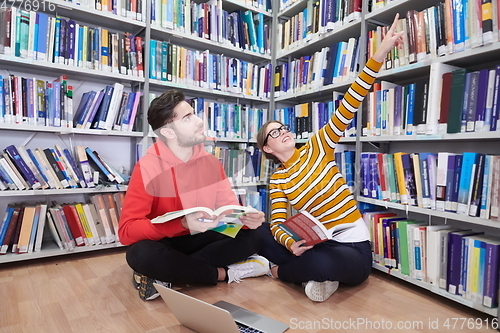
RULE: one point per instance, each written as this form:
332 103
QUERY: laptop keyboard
245 329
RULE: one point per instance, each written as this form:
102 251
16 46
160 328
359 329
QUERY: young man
176 173
309 180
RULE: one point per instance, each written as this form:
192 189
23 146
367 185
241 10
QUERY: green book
404 260
456 103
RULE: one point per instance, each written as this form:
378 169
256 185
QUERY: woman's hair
261 137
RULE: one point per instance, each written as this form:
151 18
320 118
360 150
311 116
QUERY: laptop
220 317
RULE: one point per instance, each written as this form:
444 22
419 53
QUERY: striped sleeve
279 212
331 133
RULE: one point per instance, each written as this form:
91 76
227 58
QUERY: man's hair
161 110
261 137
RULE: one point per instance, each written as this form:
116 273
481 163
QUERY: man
175 174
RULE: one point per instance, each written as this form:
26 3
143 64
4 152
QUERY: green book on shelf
456 103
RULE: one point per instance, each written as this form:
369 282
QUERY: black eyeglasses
276 132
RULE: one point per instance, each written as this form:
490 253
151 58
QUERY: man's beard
186 141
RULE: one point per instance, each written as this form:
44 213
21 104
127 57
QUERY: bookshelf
121 147
476 58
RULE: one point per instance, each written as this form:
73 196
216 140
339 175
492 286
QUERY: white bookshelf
436 290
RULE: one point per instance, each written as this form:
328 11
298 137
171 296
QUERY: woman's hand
298 250
391 39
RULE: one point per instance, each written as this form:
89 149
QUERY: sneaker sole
320 291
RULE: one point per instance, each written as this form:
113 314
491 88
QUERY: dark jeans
191 259
348 263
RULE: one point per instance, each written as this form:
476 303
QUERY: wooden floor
94 293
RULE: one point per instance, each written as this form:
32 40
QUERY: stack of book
462 262
38 36
71 225
55 168
466 184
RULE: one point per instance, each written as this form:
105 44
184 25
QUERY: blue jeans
348 263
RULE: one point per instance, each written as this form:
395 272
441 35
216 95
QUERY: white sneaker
320 291
254 266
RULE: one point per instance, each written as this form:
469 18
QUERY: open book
304 226
179 213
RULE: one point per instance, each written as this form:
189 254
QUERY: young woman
309 179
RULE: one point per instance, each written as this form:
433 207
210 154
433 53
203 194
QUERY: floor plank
92 292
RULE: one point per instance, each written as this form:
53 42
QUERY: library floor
93 293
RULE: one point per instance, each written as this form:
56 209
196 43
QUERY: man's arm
135 224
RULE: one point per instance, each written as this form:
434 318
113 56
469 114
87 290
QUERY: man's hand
194 222
297 249
391 39
253 220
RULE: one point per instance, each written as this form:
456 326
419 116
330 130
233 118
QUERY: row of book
225 120
194 68
132 9
446 28
22 168
255 198
307 118
462 262
39 36
453 100
109 109
70 225
242 165
242 29
334 64
317 18
466 184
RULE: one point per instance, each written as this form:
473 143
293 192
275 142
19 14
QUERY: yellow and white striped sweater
310 180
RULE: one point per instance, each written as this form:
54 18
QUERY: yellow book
26 226
85 224
104 49
400 176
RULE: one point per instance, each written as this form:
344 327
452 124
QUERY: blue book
459 25
469 82
91 114
56 120
466 177
456 183
34 229
477 186
259 22
128 110
98 166
22 167
486 190
81 106
454 268
152 60
410 109
496 101
374 185
365 175
57 41
5 223
450 178
482 93
2 107
252 34
4 176
37 165
99 120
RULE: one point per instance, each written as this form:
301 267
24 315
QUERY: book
179 213
304 226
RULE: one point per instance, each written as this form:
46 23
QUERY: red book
304 226
445 100
74 225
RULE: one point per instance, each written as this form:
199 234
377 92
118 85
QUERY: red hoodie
162 183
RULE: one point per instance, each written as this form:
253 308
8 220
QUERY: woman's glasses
276 132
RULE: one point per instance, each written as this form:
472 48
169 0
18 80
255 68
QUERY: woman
309 179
